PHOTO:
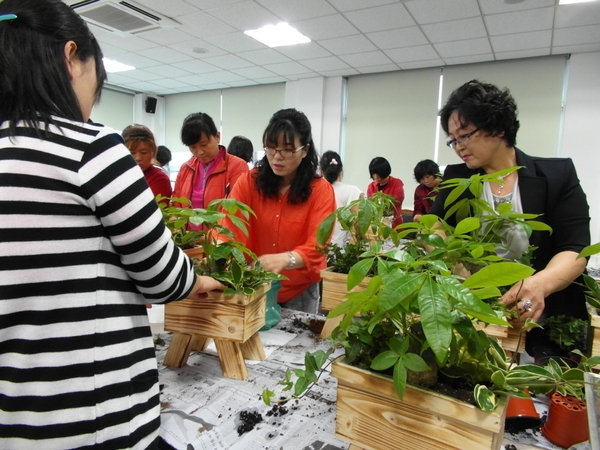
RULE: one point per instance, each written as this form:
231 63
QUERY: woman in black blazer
481 122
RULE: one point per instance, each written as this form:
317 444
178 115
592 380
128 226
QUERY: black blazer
548 186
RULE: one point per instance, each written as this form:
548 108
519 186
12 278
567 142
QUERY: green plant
417 315
365 220
225 258
567 332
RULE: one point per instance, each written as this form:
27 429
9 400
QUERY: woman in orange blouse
290 201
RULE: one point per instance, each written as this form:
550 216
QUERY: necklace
501 186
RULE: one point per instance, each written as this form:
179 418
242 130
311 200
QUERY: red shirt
158 181
424 198
279 227
395 188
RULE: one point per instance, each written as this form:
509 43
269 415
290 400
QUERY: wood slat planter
508 337
334 293
370 416
594 331
232 321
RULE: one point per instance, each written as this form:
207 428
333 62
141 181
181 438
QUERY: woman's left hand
275 262
527 297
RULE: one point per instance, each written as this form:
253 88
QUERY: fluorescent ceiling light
278 35
112 66
570 2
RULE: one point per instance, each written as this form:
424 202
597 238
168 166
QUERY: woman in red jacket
380 170
211 172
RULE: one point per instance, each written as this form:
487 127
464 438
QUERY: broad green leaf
435 318
398 289
399 378
538 226
384 360
590 250
358 272
325 229
300 386
499 274
414 362
467 225
487 292
267 395
398 345
465 297
485 398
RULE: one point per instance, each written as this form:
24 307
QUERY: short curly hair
484 105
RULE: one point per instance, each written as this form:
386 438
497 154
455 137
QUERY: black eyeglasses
462 139
284 152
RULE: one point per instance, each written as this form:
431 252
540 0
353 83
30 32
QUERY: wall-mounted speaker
151 105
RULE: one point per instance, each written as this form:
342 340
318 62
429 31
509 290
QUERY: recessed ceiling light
570 2
112 66
278 35
199 50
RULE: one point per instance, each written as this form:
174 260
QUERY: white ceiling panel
209 50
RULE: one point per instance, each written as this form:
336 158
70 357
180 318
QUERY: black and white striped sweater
82 249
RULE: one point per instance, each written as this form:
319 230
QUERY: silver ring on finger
527 305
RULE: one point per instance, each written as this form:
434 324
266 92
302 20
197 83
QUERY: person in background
163 158
380 172
241 147
332 169
77 363
140 142
427 174
481 123
211 172
290 201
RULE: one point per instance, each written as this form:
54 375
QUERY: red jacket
219 183
395 188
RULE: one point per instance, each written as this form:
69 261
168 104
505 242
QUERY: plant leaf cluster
225 258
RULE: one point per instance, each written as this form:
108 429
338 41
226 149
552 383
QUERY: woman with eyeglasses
481 121
290 201
211 172
82 248
142 146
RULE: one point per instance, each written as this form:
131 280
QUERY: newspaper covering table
201 408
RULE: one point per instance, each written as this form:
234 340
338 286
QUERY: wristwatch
292 263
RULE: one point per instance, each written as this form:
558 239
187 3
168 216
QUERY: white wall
115 109
580 139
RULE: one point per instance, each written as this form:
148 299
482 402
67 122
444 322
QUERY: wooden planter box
334 293
594 332
370 415
508 337
232 321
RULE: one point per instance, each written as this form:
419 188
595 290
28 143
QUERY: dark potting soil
456 388
249 419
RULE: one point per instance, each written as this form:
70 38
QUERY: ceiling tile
264 56
377 69
167 71
121 77
166 36
403 37
348 44
291 10
142 86
244 16
223 77
329 63
381 18
521 41
272 80
422 64
303 51
188 47
194 80
455 30
478 46
288 68
469 59
581 48
339 73
351 5
576 15
242 83
253 72
172 8
110 50
573 36
228 62
325 27
165 55
235 42
529 53
365 59
141 75
130 43
196 66
431 11
520 22
203 24
207 5
410 54
496 6
170 83
136 60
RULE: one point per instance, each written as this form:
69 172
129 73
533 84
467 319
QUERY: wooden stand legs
232 355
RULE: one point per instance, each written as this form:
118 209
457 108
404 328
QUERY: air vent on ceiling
121 17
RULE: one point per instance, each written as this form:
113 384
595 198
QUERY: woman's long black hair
291 124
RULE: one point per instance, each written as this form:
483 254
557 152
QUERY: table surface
201 408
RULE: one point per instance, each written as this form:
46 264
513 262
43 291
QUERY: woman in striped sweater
82 248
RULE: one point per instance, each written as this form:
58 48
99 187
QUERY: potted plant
417 320
366 222
231 317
